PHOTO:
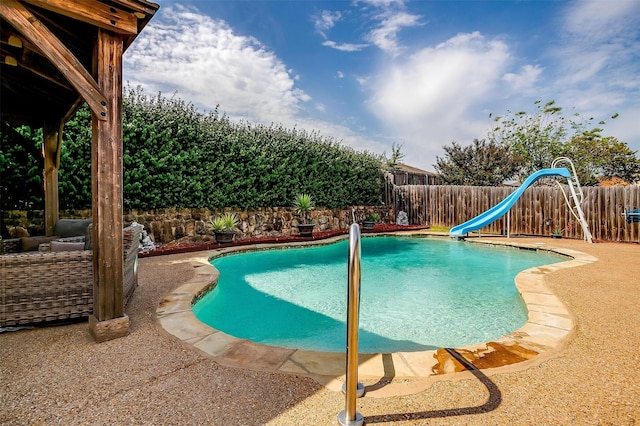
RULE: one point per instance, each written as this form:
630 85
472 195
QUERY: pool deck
586 374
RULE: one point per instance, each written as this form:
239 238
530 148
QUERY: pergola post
51 144
108 320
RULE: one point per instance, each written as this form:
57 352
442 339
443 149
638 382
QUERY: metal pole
350 416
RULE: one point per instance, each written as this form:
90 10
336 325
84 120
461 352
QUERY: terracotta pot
368 225
224 236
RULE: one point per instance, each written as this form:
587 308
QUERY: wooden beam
16 40
106 193
139 6
92 12
51 144
53 49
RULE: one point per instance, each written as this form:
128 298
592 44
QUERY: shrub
176 156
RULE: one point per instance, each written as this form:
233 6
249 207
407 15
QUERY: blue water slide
497 211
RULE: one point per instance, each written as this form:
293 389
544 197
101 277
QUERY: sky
374 73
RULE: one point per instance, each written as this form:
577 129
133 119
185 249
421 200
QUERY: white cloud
385 36
525 79
326 20
340 74
455 73
207 63
424 99
598 36
591 20
387 17
380 3
345 47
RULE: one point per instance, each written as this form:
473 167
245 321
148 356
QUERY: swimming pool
417 294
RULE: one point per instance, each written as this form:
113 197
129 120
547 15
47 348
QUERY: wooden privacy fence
538 211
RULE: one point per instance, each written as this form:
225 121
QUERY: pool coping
549 328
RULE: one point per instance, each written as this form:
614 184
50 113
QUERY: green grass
439 229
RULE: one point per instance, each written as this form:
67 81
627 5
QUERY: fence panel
538 211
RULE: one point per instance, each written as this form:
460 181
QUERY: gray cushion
71 227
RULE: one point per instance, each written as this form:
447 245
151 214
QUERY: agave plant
557 232
372 217
226 222
303 204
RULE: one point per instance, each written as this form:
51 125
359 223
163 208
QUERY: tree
480 164
74 180
599 158
538 138
395 158
21 164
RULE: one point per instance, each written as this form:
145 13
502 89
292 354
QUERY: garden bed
191 247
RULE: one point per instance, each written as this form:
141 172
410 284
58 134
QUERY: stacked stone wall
167 225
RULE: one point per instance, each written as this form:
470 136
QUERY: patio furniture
64 228
49 285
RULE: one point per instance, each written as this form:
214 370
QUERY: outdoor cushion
58 246
32 243
71 227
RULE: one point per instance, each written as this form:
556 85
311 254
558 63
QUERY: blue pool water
416 294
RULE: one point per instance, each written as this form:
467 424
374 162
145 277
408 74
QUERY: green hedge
177 156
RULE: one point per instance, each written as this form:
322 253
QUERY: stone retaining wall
166 225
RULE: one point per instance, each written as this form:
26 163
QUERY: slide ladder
576 194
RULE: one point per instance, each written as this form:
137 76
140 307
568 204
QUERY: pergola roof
34 90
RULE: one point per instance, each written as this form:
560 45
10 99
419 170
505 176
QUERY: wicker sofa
45 285
63 229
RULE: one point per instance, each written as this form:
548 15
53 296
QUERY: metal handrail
560 160
350 416
578 197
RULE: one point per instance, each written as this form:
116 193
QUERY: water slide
497 211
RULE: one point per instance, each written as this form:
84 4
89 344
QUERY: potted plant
303 204
369 221
557 233
224 227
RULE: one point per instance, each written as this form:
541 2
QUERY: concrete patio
58 375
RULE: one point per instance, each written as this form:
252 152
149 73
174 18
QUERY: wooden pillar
108 320
51 144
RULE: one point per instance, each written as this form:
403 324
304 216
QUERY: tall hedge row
177 156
